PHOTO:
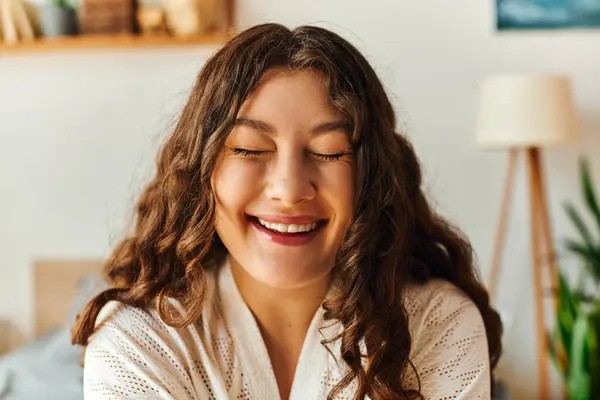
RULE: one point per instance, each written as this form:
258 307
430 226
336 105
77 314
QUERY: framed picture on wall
547 14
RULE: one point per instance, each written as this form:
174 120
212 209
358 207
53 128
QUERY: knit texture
134 355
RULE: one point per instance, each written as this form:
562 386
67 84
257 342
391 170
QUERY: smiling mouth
289 229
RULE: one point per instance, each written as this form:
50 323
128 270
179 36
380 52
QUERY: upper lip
288 219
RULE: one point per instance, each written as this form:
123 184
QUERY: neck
280 311
283 317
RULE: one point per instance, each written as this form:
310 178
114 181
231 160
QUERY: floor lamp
523 114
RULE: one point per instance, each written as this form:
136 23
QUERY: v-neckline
254 356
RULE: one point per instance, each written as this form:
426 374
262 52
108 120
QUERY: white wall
78 137
78 133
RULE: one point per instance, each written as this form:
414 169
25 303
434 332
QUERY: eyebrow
321 128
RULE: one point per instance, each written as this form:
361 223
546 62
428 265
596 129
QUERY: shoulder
131 333
128 330
120 318
438 303
438 311
121 328
116 316
133 352
449 342
124 354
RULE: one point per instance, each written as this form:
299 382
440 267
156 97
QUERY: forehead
282 92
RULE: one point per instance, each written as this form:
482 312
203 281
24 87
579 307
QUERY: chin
289 275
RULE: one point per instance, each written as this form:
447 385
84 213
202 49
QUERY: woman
285 249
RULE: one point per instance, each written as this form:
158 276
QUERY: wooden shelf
91 42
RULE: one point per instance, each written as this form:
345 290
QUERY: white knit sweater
134 355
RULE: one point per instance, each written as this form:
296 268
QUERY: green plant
575 341
64 4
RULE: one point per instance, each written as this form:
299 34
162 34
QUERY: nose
289 179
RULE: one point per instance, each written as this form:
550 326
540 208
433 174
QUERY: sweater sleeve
131 355
450 350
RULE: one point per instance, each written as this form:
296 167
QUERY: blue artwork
547 14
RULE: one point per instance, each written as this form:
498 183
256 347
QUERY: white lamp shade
526 111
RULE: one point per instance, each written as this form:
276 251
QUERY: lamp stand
542 250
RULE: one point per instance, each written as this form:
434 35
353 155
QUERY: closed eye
329 157
256 153
246 152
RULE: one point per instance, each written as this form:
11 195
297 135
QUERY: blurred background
89 89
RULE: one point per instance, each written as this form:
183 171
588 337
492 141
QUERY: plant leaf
567 310
594 350
590 256
588 191
579 224
579 381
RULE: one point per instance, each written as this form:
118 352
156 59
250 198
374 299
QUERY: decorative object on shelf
575 341
151 19
106 16
524 113
212 14
58 18
220 29
182 17
547 14
100 42
15 26
193 17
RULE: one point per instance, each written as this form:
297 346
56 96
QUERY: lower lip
287 239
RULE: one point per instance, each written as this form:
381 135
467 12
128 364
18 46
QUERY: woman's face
284 182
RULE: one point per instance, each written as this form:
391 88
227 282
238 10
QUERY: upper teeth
288 228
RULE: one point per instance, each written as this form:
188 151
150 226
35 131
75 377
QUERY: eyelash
256 153
246 153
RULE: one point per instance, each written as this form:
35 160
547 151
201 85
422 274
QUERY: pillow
46 368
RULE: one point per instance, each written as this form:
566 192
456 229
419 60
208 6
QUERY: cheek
339 181
234 183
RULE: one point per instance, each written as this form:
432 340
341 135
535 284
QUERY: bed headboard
55 287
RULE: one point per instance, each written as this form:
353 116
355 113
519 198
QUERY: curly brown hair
395 237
